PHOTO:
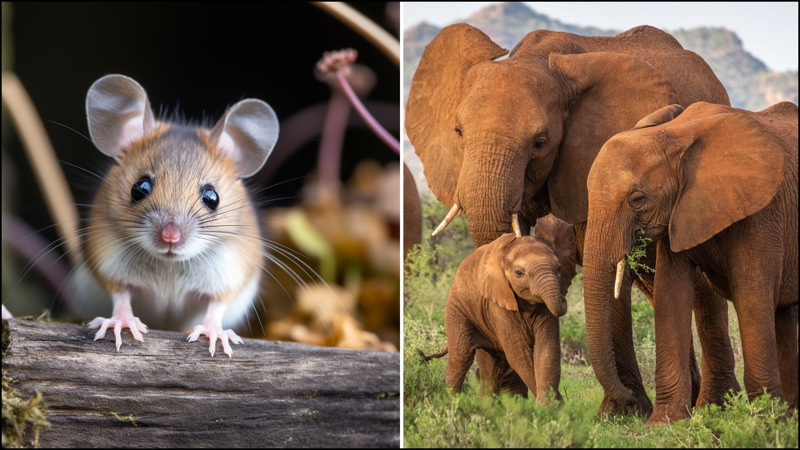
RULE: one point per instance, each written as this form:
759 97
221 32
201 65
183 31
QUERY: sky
768 30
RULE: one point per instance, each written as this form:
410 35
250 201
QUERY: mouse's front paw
214 331
119 321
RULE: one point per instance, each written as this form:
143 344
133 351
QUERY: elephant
495 372
412 212
513 140
716 188
505 301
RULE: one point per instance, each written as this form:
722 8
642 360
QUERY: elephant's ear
561 236
731 167
660 116
611 92
434 97
491 277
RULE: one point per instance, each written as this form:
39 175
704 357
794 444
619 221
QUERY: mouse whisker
252 194
83 262
299 263
71 129
220 245
131 211
98 176
46 251
263 306
263 239
51 226
220 212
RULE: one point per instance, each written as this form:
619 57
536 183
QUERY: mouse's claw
214 331
118 321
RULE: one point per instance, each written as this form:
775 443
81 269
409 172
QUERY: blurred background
198 59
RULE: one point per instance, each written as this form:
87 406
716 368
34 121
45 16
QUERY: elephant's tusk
454 211
515 225
618 280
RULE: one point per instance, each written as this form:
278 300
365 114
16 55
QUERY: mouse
172 227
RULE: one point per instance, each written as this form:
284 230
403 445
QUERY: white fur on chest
175 294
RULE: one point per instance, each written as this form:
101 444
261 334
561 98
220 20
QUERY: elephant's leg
547 357
756 263
512 383
786 338
622 339
694 373
757 327
520 358
497 375
672 305
460 346
711 317
646 286
517 344
489 371
458 363
625 355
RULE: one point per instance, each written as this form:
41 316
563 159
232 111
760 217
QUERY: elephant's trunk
604 247
490 187
551 295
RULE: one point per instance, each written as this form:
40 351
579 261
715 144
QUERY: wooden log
169 392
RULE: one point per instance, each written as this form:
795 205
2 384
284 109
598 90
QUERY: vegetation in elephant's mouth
638 251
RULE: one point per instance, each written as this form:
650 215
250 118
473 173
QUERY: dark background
195 56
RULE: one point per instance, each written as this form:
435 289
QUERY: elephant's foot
614 407
714 389
642 406
549 397
666 414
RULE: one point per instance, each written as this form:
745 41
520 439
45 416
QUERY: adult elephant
517 137
717 188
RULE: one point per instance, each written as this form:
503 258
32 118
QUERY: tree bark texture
169 392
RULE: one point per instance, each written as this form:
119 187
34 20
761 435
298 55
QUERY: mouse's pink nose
171 234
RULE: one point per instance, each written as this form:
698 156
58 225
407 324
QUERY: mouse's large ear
247 133
118 113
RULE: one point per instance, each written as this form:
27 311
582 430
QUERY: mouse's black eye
210 198
142 189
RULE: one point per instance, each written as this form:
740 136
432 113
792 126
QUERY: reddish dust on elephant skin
503 309
561 96
718 187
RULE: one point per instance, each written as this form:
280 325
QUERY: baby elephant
504 303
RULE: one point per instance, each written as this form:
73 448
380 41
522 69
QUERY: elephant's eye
518 272
638 200
539 143
458 132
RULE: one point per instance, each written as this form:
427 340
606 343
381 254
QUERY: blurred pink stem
330 147
373 124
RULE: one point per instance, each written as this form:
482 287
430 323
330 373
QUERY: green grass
436 417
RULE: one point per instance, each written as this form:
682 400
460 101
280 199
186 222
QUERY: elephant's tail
426 358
